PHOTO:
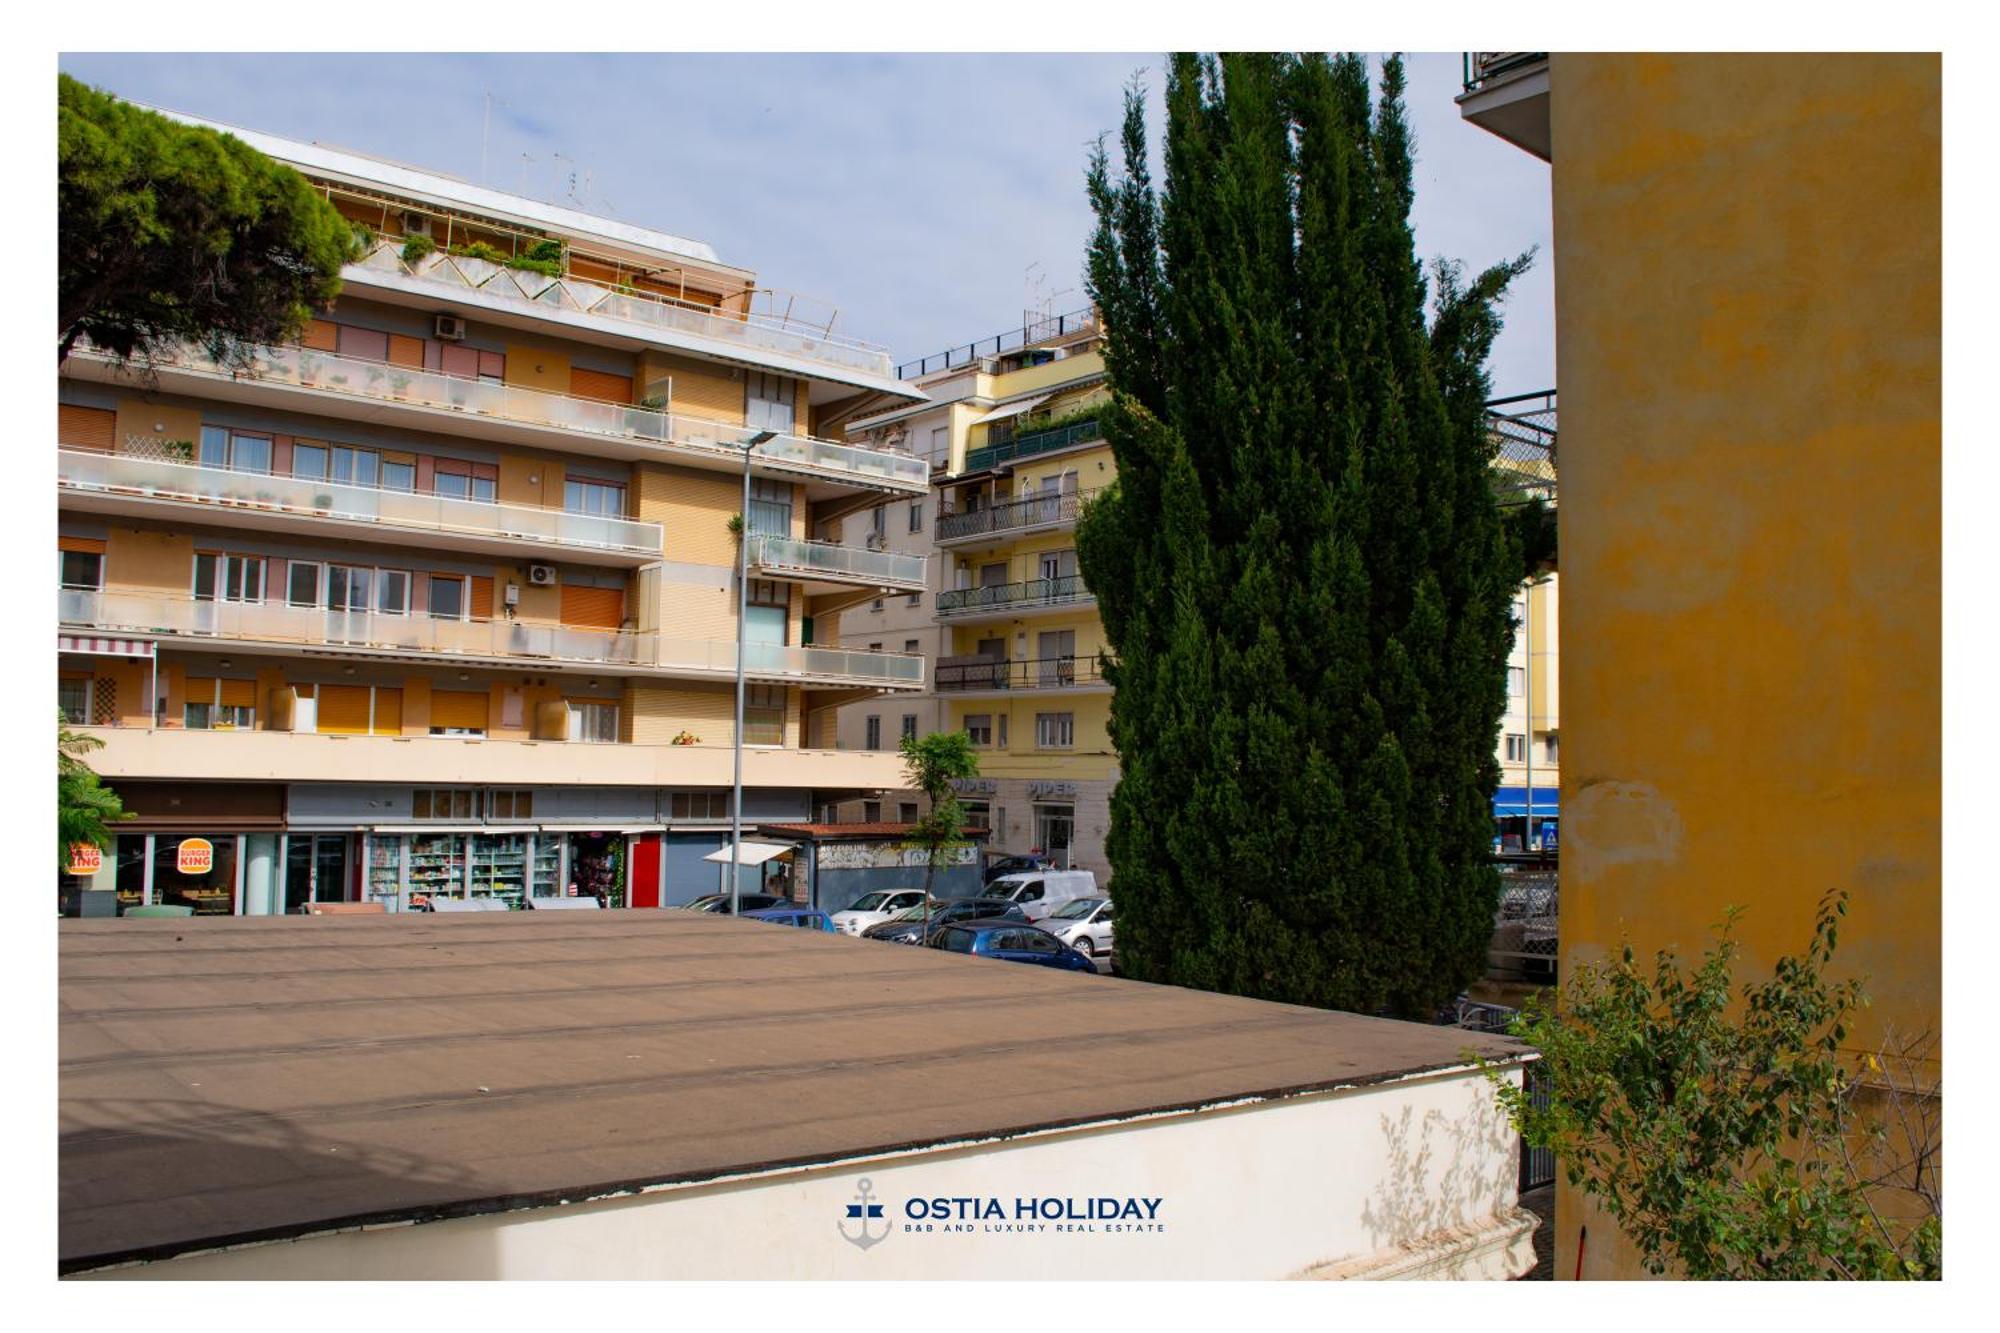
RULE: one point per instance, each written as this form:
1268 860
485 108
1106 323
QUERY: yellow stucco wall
1748 275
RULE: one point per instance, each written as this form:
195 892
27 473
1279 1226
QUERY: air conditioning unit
416 224
450 328
542 576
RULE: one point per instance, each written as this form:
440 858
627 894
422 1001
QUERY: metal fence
1524 924
1033 330
1523 430
1538 1165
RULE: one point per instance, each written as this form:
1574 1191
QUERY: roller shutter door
597 384
593 608
86 428
457 708
343 710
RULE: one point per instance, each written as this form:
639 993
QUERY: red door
646 871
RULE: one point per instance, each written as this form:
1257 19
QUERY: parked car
1084 924
1011 941
907 927
1014 865
750 902
1040 892
805 918
872 909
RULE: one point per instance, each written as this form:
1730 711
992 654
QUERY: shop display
500 866
436 867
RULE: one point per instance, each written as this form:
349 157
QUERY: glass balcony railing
1002 596
127 474
848 564
277 623
754 332
380 381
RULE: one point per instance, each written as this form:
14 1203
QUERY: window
349 588
1517 747
447 596
770 508
906 813
911 646
979 728
592 722
302 583
878 520
1058 564
877 606
940 443
603 498
444 803
871 812
83 569
309 460
1000 731
1517 681
763 715
770 399
1549 746
73 697
916 516
1055 731
1054 825
399 476
701 805
769 615
874 647
510 803
219 705
457 482
228 578
916 599
357 467
239 451
874 734
909 726
975 814
392 591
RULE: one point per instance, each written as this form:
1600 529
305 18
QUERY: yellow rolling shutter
458 708
200 690
597 384
239 693
343 709
388 711
595 608
86 428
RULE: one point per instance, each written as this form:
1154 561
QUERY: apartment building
1010 434
1750 527
441 602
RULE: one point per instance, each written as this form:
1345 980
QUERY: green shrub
417 247
479 250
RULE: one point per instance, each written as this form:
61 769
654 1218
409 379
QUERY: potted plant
417 248
687 738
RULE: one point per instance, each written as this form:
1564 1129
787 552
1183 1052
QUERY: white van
1039 892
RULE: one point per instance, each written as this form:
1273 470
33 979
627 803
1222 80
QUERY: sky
929 199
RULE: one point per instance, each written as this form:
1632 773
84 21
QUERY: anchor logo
866 1211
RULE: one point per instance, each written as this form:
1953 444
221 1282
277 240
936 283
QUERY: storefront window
500 866
437 867
597 866
131 870
195 870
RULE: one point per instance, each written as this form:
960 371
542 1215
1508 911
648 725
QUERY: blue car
805 918
1012 941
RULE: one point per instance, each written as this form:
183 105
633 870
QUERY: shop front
409 867
212 847
1526 819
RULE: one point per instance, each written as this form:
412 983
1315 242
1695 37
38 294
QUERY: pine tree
1301 568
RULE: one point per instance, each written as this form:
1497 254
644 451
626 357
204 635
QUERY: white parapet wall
1408 1178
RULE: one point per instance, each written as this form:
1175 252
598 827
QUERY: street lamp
748 446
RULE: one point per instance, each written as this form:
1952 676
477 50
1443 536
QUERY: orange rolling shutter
200 690
482 598
239 693
322 335
458 708
597 608
92 545
343 709
86 428
406 351
388 711
596 384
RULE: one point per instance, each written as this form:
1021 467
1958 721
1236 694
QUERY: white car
1084 924
873 908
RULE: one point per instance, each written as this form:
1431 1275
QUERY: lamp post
748 446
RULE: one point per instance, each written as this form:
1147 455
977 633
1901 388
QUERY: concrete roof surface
233 1079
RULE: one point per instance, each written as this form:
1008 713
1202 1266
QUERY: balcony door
350 591
1056 654
1058 565
770 402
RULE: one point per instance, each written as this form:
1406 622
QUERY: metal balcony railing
226 488
999 596
1028 512
750 332
1035 673
852 564
381 381
1026 446
1034 330
507 641
1479 67
1522 429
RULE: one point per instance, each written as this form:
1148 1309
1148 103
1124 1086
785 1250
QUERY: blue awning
1514 801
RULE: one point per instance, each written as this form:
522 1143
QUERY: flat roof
230 1080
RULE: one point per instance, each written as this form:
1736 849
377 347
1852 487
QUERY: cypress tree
1301 568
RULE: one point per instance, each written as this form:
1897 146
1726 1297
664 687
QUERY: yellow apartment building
1748 345
440 602
1010 433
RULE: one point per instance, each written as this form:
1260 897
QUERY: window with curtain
605 499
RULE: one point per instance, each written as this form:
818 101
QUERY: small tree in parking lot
934 763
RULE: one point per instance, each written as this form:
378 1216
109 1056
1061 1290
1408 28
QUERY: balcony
1507 94
1027 446
771 338
1003 522
305 380
271 627
1002 601
993 675
139 486
828 566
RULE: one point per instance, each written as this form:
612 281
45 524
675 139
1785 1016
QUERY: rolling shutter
90 545
482 598
596 608
457 708
238 693
406 351
597 384
322 335
388 711
86 428
343 709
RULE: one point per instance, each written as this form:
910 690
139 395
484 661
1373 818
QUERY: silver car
1084 924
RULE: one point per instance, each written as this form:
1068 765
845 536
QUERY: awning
600 828
1514 801
101 647
754 853
1006 410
